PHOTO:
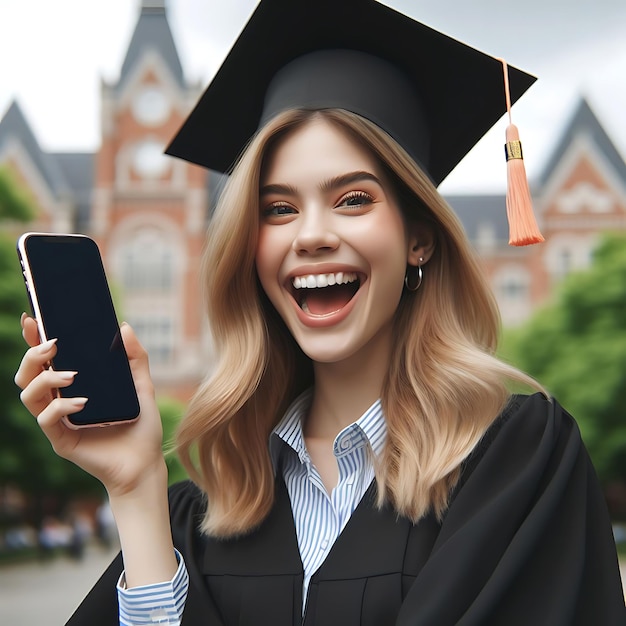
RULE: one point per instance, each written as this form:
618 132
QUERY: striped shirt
161 603
319 517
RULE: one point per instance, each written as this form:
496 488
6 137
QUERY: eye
355 199
277 209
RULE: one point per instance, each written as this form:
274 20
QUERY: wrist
142 518
149 480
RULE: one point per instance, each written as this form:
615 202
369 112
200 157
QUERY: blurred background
89 97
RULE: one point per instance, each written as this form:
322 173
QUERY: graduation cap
433 94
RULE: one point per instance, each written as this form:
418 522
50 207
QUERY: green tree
576 347
14 203
18 432
26 458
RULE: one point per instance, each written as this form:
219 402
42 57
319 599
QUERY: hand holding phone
71 302
124 459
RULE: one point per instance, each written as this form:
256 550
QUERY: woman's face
332 248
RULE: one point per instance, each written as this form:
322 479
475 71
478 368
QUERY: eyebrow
331 184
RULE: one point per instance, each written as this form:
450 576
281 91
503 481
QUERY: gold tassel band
513 150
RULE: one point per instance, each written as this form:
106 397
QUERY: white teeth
313 281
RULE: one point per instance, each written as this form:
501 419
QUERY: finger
63 439
134 349
58 409
30 331
40 392
138 359
34 361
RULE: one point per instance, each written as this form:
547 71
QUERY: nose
315 235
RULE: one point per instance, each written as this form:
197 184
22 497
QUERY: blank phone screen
76 308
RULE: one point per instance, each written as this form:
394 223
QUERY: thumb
132 345
138 359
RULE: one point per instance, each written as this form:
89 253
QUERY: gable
18 143
584 182
584 128
152 35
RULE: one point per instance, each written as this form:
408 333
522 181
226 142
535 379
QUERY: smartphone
71 300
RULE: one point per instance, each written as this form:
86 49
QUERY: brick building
149 212
580 195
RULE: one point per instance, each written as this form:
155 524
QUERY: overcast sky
53 54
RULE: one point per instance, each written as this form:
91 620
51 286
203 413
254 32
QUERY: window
564 262
155 333
568 252
512 289
147 263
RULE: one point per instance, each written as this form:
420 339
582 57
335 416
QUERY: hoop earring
420 277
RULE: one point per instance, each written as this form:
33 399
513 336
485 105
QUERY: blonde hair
444 387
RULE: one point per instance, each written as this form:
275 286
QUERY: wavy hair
444 385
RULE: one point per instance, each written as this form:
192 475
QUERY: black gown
526 541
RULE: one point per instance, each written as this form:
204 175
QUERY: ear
421 244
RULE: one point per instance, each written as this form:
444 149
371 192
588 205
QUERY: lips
320 295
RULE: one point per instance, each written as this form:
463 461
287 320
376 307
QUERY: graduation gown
526 540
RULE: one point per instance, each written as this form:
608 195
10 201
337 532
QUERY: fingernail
78 402
46 345
23 317
67 375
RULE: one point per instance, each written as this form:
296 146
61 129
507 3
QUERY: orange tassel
523 229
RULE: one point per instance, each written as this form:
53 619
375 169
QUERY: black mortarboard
434 95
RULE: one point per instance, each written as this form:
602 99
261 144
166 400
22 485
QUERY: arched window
147 263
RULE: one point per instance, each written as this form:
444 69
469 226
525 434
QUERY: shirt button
324 544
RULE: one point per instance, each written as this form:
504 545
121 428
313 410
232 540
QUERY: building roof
73 173
478 212
584 120
152 32
15 128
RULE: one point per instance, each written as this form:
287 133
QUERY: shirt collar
289 430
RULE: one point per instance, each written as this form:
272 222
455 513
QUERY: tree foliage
14 202
26 459
576 347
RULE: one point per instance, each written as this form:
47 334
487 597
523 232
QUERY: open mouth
323 294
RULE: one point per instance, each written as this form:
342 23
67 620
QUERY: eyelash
356 195
365 198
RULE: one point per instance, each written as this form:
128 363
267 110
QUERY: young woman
356 456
